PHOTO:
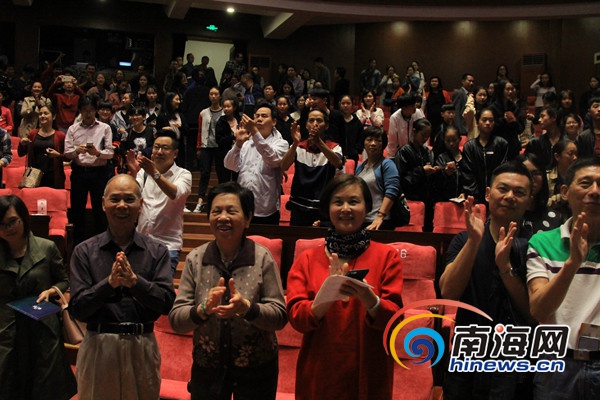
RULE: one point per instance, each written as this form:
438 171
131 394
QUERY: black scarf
349 245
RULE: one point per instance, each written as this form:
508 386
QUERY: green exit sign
212 27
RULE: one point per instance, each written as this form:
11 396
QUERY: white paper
330 290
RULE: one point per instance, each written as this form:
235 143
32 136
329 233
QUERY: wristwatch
156 176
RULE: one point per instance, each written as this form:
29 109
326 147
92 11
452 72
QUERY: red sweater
342 356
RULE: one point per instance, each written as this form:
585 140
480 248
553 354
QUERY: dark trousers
86 180
480 385
272 219
304 217
207 156
256 383
190 147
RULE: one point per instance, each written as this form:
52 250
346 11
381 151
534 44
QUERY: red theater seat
449 217
275 246
417 217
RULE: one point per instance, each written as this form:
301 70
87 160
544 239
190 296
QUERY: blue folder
30 307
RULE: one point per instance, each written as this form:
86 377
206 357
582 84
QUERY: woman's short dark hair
11 200
339 182
377 133
246 196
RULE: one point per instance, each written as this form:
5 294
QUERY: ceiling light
230 10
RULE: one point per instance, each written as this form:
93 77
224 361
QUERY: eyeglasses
10 224
164 147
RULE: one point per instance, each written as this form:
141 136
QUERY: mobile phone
89 145
358 274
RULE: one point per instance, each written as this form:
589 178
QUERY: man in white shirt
165 188
256 155
401 123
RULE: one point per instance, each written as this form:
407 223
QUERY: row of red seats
448 217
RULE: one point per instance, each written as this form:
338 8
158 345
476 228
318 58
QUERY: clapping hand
475 226
238 306
579 240
241 136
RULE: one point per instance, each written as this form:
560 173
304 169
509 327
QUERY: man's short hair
465 76
448 107
592 100
170 134
512 167
319 92
550 110
246 196
579 164
325 116
265 104
406 100
88 100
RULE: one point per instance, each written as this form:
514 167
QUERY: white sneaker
199 208
186 210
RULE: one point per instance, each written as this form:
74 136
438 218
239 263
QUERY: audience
486 269
316 161
231 295
359 368
542 145
320 139
450 182
31 108
88 144
207 148
564 153
417 169
538 216
459 98
45 148
381 177
588 142
257 155
402 123
30 347
482 155
165 187
121 282
561 292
